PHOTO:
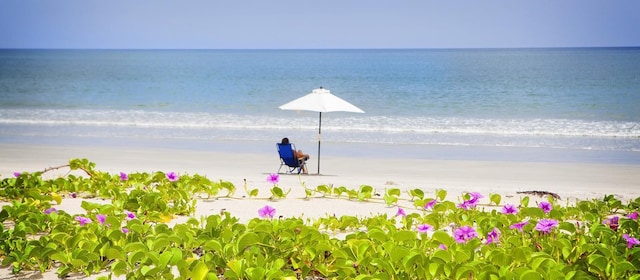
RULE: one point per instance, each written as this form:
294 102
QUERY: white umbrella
320 100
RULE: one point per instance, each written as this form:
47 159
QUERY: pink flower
125 230
519 226
509 209
493 236
124 176
74 195
442 246
545 206
130 215
472 202
633 216
172 176
51 210
464 233
612 223
267 212
546 225
273 178
631 241
430 204
423 228
83 220
401 212
101 218
16 174
476 195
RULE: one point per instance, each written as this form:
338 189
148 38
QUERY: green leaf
256 273
570 227
393 192
212 245
390 199
236 267
245 240
444 255
378 235
623 267
417 193
200 271
114 254
530 275
598 261
405 235
253 193
465 272
495 198
443 238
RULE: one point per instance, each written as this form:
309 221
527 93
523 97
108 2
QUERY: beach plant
391 196
126 232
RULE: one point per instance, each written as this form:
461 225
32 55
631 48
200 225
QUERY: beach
572 181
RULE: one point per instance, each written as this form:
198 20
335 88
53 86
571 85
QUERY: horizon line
316 49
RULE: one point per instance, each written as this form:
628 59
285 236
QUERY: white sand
570 180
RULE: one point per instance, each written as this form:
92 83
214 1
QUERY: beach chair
288 159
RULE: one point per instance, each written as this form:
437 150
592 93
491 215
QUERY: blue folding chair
288 159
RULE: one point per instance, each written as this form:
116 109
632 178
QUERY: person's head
285 140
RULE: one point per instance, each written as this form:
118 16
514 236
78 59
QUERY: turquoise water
562 101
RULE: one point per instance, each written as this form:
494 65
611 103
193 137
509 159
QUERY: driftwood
65 165
541 194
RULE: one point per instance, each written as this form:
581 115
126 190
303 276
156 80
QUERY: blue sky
294 24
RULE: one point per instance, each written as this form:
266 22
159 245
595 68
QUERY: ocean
565 104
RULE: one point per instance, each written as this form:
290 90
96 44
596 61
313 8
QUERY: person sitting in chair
298 154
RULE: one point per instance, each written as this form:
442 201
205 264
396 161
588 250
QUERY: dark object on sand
541 194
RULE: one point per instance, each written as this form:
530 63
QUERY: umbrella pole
319 134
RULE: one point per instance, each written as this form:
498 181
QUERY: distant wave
355 124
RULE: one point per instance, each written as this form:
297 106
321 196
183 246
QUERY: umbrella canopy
320 100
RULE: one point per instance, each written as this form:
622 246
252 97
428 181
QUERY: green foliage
582 246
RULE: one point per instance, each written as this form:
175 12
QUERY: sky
326 24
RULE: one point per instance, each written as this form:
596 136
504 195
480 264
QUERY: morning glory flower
545 206
472 202
273 178
430 204
519 226
631 241
130 215
267 212
423 228
124 176
83 220
612 222
125 230
51 210
546 225
172 176
401 212
101 218
16 174
464 233
493 236
633 216
476 195
442 246
509 209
